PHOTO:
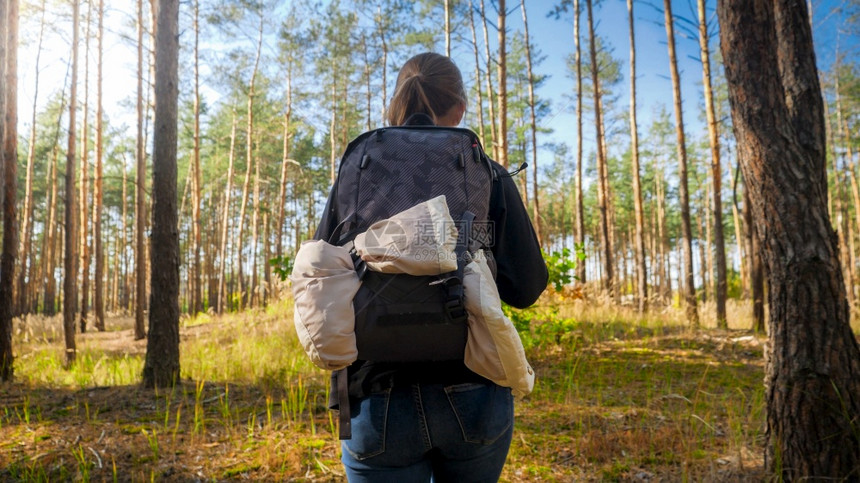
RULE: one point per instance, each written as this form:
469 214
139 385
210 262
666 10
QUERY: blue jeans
419 432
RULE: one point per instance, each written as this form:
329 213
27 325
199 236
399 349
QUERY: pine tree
813 363
161 368
686 231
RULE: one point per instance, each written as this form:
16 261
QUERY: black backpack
400 317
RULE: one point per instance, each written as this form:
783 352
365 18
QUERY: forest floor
618 398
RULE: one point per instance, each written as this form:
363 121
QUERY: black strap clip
455 307
359 264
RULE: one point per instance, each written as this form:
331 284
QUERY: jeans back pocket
369 421
484 411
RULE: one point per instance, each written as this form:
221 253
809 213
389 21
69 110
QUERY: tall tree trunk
46 272
225 224
211 251
367 84
502 66
124 300
755 264
603 189
813 364
533 128
70 275
477 74
98 196
842 125
716 170
741 237
639 243
26 270
249 161
196 282
663 241
686 231
841 215
140 193
331 134
84 182
113 270
494 132
10 180
4 23
653 250
161 368
447 7
704 246
708 243
384 43
253 295
267 272
580 209
285 161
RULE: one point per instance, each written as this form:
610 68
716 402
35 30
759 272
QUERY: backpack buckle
454 307
455 311
359 264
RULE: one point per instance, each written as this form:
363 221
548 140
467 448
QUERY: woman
417 421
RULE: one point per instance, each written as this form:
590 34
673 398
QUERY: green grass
618 397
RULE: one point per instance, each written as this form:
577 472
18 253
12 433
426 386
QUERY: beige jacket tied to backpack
493 347
417 241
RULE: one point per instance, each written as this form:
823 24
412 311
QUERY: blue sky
654 88
554 37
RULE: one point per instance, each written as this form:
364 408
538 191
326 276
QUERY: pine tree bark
124 300
384 43
716 170
161 368
211 243
196 282
740 236
367 75
480 102
532 129
70 275
850 167
285 159
580 209
447 6
603 189
49 245
704 243
84 183
26 269
491 96
663 269
502 67
249 163
813 364
686 231
756 269
98 196
140 194
9 128
254 295
639 237
221 305
840 213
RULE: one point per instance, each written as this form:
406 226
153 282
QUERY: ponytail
428 83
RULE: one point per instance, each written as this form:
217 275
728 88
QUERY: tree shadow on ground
196 431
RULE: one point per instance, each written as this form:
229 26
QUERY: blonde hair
428 83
